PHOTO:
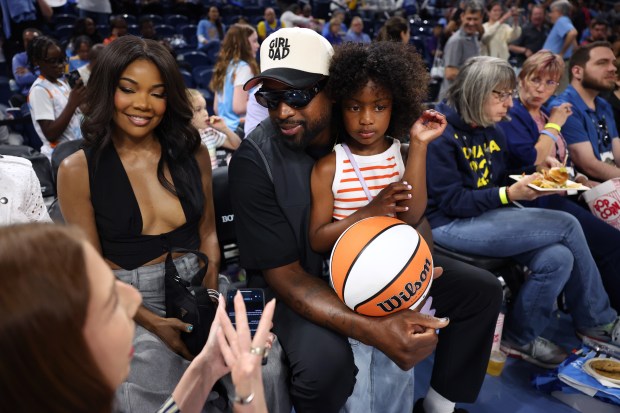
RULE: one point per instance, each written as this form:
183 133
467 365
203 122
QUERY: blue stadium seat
64 19
165 30
130 18
189 34
133 29
63 32
155 18
187 78
202 76
176 20
195 58
212 49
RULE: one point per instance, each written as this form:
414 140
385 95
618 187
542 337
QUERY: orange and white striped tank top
378 171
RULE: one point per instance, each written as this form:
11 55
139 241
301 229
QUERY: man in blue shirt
563 35
356 32
591 131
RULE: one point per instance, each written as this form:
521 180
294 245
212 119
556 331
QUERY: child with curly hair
377 90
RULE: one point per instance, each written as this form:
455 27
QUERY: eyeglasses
295 98
502 96
602 127
548 84
55 60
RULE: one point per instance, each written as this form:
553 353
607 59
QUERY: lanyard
357 170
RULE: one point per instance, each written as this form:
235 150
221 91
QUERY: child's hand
385 203
217 123
428 127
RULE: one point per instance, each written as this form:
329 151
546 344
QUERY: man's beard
310 131
589 82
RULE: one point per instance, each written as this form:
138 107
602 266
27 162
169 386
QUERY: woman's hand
242 354
211 352
549 162
520 191
559 114
169 331
428 127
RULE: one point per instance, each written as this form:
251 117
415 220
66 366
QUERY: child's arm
323 232
232 139
426 129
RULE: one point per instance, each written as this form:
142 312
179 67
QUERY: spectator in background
532 37
19 15
268 25
434 42
356 32
563 35
469 210
597 32
235 65
86 70
210 28
613 97
84 26
463 44
338 16
21 200
497 34
591 131
334 35
118 24
98 10
395 29
82 47
292 17
213 130
23 71
53 104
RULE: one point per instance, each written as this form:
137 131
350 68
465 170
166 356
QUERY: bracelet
555 126
242 400
503 195
549 134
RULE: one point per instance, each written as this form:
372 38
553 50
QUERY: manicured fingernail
409 187
408 195
445 319
190 328
406 208
405 182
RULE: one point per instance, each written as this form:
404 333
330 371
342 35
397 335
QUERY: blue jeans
552 245
381 386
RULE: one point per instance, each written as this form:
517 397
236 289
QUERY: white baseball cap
296 56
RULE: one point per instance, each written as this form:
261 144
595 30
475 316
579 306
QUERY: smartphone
73 77
254 299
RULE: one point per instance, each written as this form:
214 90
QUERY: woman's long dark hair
179 140
46 365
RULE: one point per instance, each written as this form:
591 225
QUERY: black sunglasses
602 126
295 98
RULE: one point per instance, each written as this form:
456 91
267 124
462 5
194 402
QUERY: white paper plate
604 380
577 187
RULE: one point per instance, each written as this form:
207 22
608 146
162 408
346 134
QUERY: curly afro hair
394 66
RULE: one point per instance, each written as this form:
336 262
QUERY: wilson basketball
380 265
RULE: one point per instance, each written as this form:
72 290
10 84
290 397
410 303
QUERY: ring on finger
257 351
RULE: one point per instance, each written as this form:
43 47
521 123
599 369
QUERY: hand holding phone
73 77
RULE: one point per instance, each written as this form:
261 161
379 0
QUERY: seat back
40 164
61 152
224 217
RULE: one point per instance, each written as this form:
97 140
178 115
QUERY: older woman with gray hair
470 210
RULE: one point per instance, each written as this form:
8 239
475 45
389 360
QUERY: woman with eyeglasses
53 104
471 210
532 136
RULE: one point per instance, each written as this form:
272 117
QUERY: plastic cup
496 363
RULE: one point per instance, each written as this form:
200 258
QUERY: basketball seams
388 284
346 277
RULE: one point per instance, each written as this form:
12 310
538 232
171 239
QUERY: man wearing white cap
270 190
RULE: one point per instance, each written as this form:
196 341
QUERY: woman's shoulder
76 162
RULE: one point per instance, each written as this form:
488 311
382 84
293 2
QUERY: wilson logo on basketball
410 291
381 265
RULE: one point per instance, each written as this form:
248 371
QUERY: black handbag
190 302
